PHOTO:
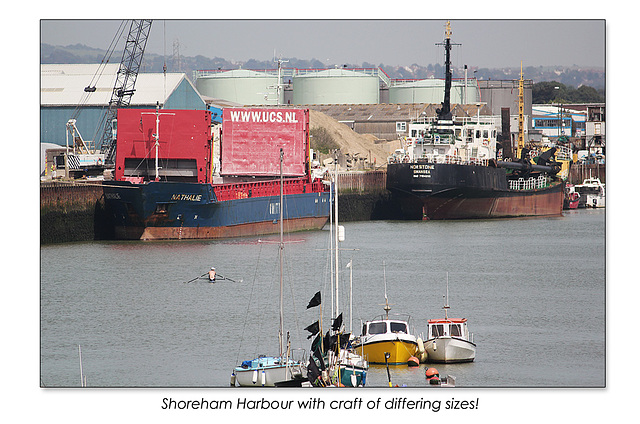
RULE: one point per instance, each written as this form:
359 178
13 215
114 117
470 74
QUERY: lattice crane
125 83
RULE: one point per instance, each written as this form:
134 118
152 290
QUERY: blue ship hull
174 210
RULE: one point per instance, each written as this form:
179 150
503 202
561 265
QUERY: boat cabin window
437 330
398 327
377 328
477 133
485 134
454 330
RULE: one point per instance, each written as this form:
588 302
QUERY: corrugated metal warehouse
504 93
62 97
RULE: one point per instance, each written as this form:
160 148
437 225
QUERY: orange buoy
431 373
433 377
413 361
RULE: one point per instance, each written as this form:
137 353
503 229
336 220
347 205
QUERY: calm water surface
533 291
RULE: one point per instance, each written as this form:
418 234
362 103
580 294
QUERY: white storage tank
241 86
336 86
432 91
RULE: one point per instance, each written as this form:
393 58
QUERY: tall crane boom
125 82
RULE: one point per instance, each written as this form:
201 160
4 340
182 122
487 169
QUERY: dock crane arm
125 83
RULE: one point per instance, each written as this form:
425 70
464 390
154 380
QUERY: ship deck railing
460 120
530 183
453 159
245 190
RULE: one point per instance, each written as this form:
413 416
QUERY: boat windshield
454 330
437 330
377 328
398 327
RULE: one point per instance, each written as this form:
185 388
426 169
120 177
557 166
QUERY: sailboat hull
352 376
450 350
267 372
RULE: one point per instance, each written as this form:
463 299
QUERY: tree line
553 92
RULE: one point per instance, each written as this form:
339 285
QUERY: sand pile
351 142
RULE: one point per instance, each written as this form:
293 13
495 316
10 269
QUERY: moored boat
387 339
282 369
448 339
451 169
174 178
334 354
592 193
571 197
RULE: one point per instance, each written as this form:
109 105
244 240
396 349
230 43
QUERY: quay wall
72 211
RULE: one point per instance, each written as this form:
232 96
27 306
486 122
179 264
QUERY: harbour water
533 291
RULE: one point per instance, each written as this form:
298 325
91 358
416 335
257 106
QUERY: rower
212 275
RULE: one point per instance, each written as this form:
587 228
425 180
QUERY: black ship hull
452 191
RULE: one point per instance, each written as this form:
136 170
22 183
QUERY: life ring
99 162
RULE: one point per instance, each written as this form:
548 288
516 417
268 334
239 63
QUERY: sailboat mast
331 199
281 333
336 238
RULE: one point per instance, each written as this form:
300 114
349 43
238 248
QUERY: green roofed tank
241 86
432 91
336 86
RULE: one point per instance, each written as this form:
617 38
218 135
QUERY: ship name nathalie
421 170
187 197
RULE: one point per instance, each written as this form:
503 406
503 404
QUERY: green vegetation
555 92
322 141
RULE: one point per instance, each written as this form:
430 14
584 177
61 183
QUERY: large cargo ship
449 168
178 175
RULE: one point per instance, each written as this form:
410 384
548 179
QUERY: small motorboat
592 193
571 197
448 340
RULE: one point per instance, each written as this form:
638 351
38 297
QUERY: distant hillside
569 76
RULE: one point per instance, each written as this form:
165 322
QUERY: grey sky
485 43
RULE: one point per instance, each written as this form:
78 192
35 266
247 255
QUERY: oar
227 278
194 279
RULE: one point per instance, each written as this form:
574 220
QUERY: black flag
312 371
313 329
337 323
315 301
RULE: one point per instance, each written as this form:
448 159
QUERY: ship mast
444 113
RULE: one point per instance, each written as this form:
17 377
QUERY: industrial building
63 97
328 86
366 99
241 86
582 124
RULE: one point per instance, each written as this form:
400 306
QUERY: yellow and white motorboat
385 335
386 340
